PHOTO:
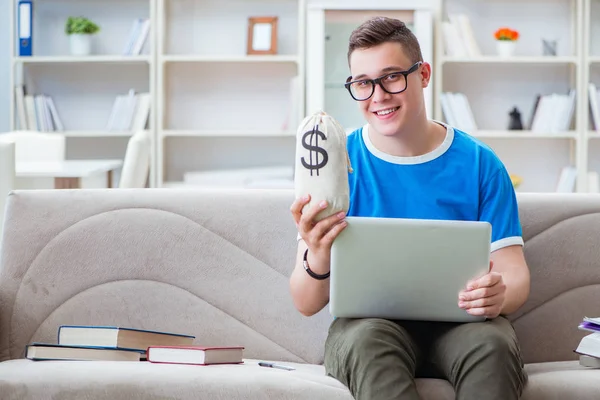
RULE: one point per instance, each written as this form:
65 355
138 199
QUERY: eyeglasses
392 83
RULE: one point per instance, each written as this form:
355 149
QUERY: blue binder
25 27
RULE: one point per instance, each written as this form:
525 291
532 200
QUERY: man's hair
378 30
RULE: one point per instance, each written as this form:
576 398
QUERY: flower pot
505 48
80 44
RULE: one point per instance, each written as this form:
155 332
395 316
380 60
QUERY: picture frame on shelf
262 35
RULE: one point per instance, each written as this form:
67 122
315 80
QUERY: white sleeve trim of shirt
509 241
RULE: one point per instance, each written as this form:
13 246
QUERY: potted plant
506 40
80 31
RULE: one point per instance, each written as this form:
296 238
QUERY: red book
195 355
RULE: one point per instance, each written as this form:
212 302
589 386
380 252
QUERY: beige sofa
216 265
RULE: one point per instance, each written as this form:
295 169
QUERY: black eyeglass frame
377 81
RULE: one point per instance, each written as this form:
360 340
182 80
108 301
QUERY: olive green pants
377 359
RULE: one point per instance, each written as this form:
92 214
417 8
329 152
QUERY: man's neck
420 138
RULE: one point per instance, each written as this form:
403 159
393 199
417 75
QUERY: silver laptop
410 269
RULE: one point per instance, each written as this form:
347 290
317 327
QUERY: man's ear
425 74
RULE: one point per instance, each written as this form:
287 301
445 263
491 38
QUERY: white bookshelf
91 59
84 88
215 107
494 85
219 108
493 59
591 73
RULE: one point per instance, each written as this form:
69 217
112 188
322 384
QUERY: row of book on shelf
458 36
551 113
112 343
138 35
38 112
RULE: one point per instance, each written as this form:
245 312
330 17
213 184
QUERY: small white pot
506 48
80 44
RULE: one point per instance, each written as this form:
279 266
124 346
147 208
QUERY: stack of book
589 347
111 343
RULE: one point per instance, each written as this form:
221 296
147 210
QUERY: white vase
80 44
505 48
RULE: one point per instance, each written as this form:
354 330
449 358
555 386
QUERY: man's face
389 113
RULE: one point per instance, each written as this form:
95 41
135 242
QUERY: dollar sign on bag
312 145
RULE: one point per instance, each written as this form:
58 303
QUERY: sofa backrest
216 264
562 237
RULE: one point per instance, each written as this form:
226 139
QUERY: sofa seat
25 379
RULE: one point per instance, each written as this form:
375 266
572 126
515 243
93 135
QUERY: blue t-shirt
462 179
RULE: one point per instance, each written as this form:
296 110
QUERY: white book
467 118
32 123
110 126
128 110
569 110
58 125
142 112
20 102
466 32
453 43
138 44
447 109
542 120
40 115
121 110
133 34
47 114
590 345
555 117
594 110
566 180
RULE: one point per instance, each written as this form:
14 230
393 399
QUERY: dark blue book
119 338
46 352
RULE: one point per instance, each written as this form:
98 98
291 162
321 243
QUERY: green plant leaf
80 25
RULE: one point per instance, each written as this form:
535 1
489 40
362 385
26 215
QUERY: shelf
594 60
176 185
233 133
94 133
512 60
523 135
593 135
230 59
82 60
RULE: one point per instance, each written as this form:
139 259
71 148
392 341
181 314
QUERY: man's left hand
484 296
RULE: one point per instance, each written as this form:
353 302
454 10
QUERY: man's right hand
318 236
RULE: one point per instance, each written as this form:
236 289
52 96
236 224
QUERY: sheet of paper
261 38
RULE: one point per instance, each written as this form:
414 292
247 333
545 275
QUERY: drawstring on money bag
322 163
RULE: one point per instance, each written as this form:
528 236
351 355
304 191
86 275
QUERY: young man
408 166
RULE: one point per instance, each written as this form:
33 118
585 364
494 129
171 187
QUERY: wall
4 65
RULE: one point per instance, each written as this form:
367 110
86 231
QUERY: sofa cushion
25 379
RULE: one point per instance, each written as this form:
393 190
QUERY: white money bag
322 164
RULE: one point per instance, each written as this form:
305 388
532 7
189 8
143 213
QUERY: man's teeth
386 112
